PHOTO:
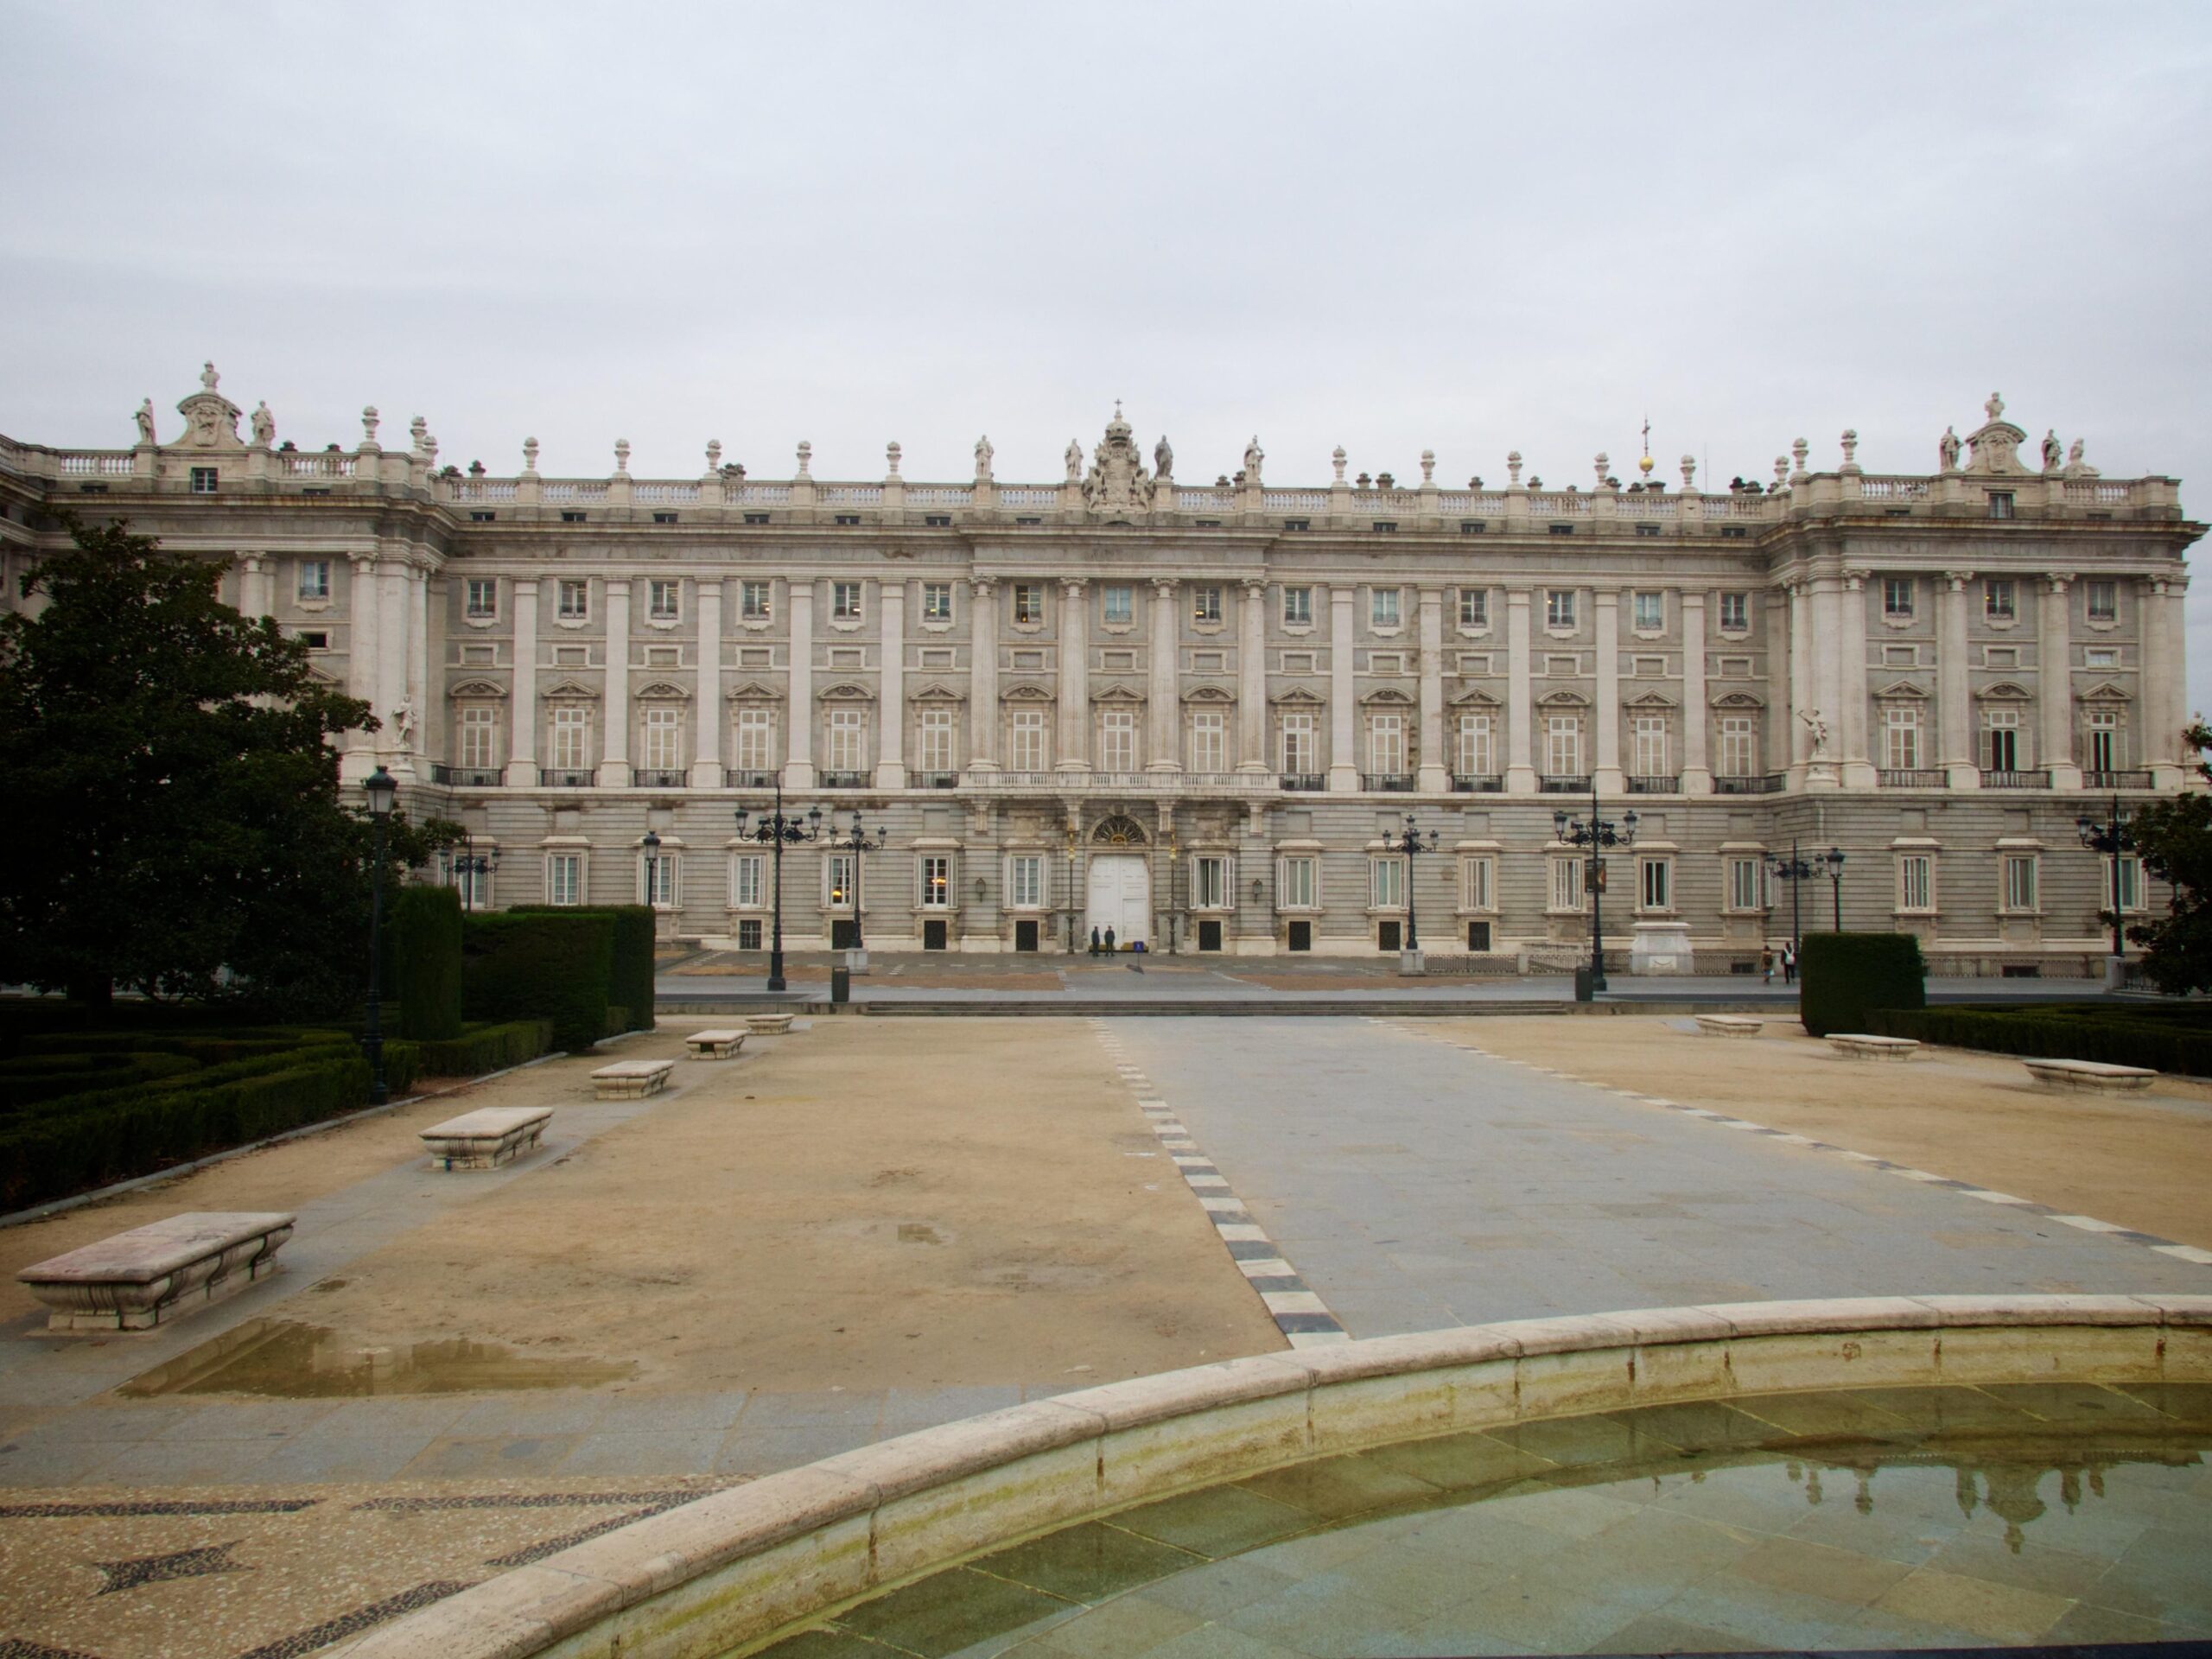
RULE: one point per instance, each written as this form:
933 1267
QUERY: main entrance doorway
1120 897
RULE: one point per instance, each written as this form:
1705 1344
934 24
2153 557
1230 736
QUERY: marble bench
159 1273
632 1079
2093 1077
488 1137
715 1044
768 1025
1859 1046
1729 1025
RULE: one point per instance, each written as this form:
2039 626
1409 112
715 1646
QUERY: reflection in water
291 1359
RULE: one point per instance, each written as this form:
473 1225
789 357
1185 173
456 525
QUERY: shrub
421 963
1847 976
487 1048
630 978
49 1077
542 964
2122 1037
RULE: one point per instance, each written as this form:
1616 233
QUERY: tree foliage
173 821
2175 840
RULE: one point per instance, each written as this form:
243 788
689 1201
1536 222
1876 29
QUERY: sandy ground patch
1968 1116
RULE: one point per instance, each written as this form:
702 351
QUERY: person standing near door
1110 939
1094 941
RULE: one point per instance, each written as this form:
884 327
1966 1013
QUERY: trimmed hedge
48 1077
421 963
541 965
630 977
487 1048
1849 975
2119 1037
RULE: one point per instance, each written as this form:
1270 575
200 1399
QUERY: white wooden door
1120 897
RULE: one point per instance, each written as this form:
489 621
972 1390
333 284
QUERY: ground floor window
1479 883
1746 884
1208 882
837 873
1025 881
564 879
2020 881
749 934
1566 883
1299 887
937 881
1655 883
656 878
1385 878
2130 882
747 886
1916 882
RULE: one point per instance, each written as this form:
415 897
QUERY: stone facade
1198 714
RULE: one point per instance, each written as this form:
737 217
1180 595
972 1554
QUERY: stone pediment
2105 691
755 691
211 420
1022 692
1388 695
573 690
935 692
1994 451
1651 700
477 688
1120 694
1562 699
2004 691
1475 697
663 691
1738 700
1900 690
1207 693
1297 697
848 691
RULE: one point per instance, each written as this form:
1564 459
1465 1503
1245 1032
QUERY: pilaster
799 696
1162 704
1072 747
1850 650
891 681
1252 682
1697 766
521 771
983 675
1344 749
614 702
1435 774
1519 696
1605 715
708 717
2055 683
1954 708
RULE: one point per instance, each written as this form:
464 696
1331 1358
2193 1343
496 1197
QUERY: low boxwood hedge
1849 975
30 1079
486 1048
2121 1039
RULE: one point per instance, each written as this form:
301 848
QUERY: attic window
753 517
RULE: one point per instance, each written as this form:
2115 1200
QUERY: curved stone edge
740 1565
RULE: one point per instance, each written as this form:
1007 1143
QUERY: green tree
2175 840
172 823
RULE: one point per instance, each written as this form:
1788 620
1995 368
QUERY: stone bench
715 1044
2094 1077
1729 1025
768 1025
488 1137
159 1273
1859 1046
632 1079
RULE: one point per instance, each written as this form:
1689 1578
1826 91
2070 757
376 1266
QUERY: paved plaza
872 1226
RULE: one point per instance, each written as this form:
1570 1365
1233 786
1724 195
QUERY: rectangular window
1563 746
937 601
1478 754
1739 745
203 480
664 745
1297 606
2000 503
1998 600
1025 881
749 881
2104 740
1559 607
748 933
1474 607
1896 597
2131 882
571 745
656 878
756 740
1651 746
753 602
1901 739
315 579
1300 887
481 602
564 878
1206 604
1386 883
1650 612
479 738
1028 603
574 603
937 881
934 749
1916 882
1298 753
848 740
1655 883
2100 657
845 601
2020 881
2004 728
837 881
1382 607
1117 740
1386 743
664 600
1206 740
1118 607
2103 601
1026 751
1746 884
1478 883
1208 882
1566 883
1735 613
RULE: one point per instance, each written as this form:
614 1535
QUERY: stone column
1606 712
1851 651
1800 745
1252 682
2055 684
1164 685
1435 766
1073 743
614 702
362 604
2173 590
522 714
419 644
799 696
1519 696
1697 766
708 718
1823 677
2164 701
891 687
983 676
253 586
1343 746
391 662
1955 710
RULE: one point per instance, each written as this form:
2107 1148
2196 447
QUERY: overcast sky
1457 227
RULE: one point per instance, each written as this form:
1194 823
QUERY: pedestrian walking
1094 941
1766 965
1790 964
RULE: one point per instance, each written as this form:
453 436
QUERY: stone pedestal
1411 964
1661 948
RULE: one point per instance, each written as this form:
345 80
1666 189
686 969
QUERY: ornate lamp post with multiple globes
472 871
775 829
857 841
1794 870
1411 842
1595 833
2112 839
383 795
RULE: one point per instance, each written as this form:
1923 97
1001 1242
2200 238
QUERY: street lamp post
1835 862
1411 842
1075 911
650 845
1794 870
857 841
1175 852
774 830
383 795
471 867
1597 834
2111 838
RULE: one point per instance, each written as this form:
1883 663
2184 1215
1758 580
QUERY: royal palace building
1201 713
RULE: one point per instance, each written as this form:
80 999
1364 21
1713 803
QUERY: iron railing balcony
565 780
844 780
660 779
937 780
2139 780
1750 783
1654 782
1552 783
1387 782
1993 779
466 777
1912 778
752 780
1476 783
1303 780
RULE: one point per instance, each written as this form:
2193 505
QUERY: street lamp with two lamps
859 842
1794 870
383 792
1595 833
1412 843
2111 838
775 829
471 872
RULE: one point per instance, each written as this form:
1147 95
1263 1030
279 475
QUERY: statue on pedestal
264 425
1947 447
145 419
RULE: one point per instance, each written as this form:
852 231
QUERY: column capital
1164 587
1073 586
1854 577
983 586
364 558
2059 581
1255 588
1958 579
253 563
